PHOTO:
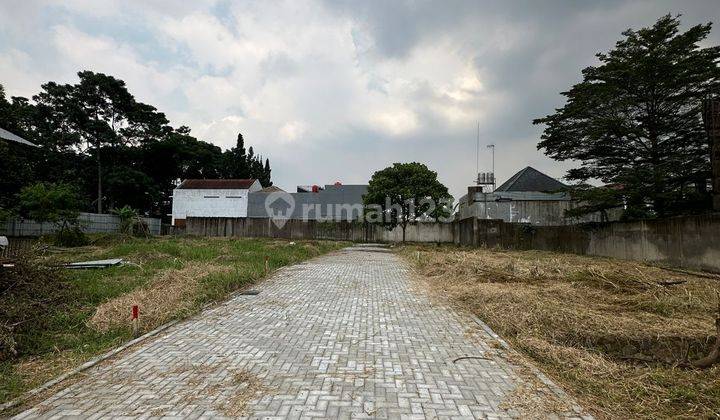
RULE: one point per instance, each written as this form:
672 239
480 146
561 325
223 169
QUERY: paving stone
346 335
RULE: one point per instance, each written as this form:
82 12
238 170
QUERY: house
529 196
212 198
331 202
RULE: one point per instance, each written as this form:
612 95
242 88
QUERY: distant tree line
112 149
634 123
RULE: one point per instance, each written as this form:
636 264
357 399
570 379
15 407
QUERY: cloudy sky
335 90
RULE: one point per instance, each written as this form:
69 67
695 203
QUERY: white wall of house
211 202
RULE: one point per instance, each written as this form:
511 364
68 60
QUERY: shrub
70 237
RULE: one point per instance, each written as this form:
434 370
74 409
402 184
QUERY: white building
212 198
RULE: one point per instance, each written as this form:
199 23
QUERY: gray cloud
334 90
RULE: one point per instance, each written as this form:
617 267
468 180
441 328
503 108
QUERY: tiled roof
530 179
216 184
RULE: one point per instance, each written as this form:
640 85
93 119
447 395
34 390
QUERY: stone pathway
346 335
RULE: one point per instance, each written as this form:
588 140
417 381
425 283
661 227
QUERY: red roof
216 184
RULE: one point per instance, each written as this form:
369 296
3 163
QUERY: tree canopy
404 193
116 150
634 122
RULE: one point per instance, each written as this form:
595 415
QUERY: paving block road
346 335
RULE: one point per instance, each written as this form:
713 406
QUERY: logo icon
279 206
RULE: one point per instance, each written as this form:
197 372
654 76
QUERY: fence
89 223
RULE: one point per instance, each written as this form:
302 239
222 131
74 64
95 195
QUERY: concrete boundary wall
89 223
688 241
312 229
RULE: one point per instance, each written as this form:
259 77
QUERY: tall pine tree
635 120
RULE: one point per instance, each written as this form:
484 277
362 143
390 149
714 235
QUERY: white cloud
292 131
150 82
329 91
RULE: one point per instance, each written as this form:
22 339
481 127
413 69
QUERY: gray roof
216 184
4 134
530 179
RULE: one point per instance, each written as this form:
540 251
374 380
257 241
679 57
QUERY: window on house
233 196
212 196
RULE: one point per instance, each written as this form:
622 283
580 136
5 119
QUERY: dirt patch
614 333
169 293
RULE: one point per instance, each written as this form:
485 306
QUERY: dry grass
612 332
249 387
170 292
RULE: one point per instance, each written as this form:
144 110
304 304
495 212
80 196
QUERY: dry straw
615 333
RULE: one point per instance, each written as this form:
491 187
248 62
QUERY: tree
406 192
634 121
594 200
235 161
265 178
96 126
45 202
102 114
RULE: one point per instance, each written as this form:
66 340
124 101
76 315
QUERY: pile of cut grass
612 332
169 278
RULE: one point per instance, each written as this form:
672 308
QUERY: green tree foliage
96 136
239 165
404 193
635 120
45 202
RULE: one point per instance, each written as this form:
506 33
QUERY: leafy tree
130 187
406 192
45 202
97 126
102 114
5 214
634 121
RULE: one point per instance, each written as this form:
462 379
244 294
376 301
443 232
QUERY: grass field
616 335
64 317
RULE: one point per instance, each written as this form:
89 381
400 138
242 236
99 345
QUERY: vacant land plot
54 319
618 335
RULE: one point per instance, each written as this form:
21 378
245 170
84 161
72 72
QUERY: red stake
135 320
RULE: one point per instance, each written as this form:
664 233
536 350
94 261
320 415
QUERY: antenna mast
477 151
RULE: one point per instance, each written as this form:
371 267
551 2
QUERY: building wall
209 203
536 212
334 202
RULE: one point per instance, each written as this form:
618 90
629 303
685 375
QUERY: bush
130 222
70 237
28 291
